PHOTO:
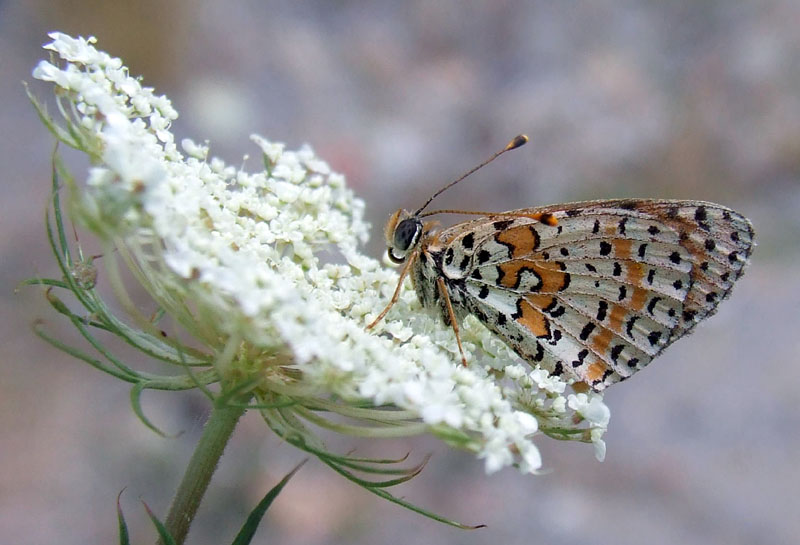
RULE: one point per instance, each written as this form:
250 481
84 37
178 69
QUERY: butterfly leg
403 273
453 322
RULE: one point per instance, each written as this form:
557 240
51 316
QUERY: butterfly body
591 290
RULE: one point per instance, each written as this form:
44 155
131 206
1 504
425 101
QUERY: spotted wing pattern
603 291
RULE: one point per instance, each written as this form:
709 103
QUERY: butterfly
590 291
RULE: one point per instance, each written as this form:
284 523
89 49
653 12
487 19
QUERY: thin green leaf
153 381
48 122
51 239
75 353
61 249
295 438
119 369
167 350
58 168
568 434
408 473
149 382
389 428
136 404
250 526
163 533
361 466
365 465
79 324
124 538
50 282
399 460
381 493
190 374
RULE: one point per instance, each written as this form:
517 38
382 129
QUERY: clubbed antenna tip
518 141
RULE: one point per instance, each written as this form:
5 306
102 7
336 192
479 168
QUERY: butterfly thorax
428 268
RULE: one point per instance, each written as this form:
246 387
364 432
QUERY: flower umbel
238 259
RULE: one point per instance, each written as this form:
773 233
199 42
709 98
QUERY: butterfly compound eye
406 235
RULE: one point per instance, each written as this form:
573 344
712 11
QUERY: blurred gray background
680 99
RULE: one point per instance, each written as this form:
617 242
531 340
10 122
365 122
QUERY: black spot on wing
602 308
565 285
701 216
468 241
700 213
629 325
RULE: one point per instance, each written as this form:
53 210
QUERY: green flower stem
218 429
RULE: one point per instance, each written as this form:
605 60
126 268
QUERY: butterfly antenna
516 142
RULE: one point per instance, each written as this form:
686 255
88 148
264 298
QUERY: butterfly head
403 232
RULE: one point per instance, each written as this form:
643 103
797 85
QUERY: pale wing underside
607 288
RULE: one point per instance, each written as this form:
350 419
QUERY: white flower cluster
235 255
